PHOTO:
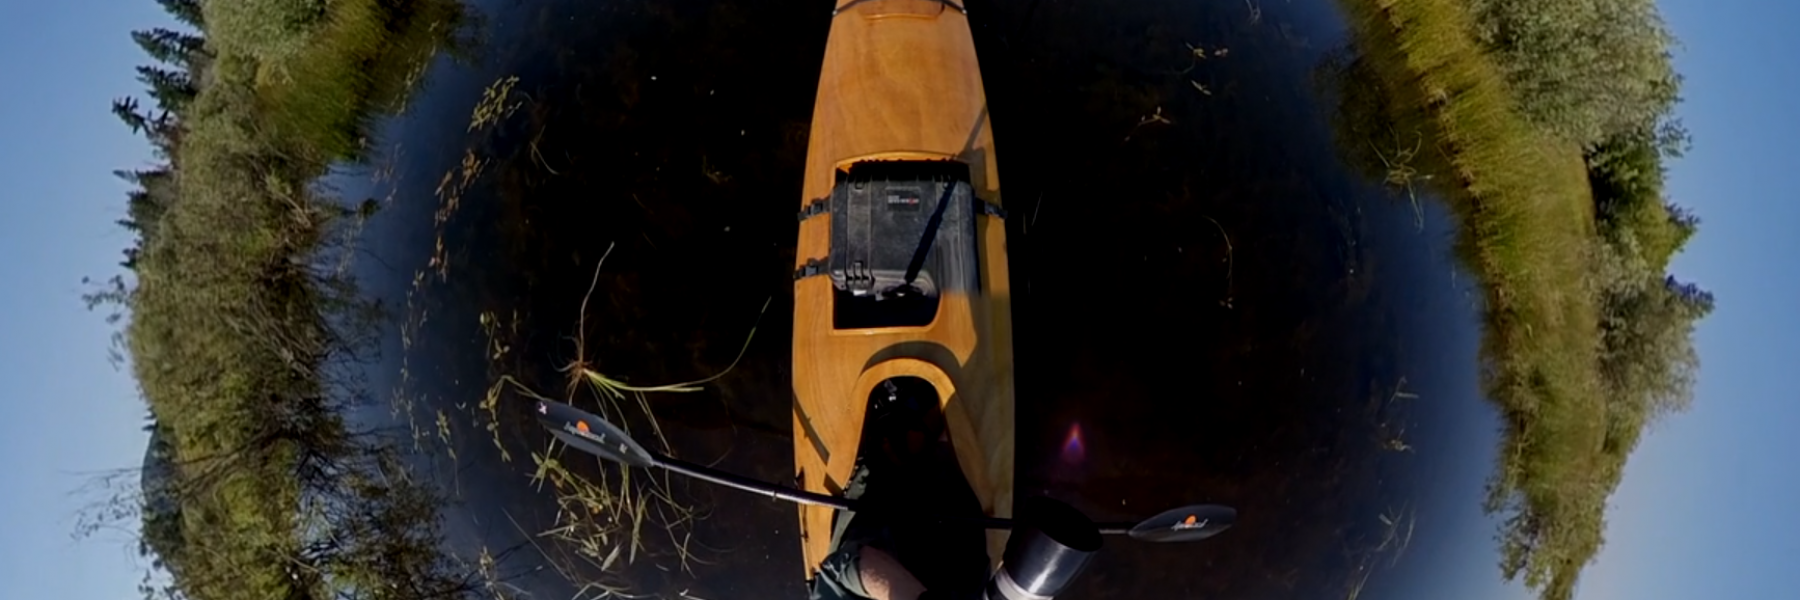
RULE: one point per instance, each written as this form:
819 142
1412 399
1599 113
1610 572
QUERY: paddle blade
588 433
1185 524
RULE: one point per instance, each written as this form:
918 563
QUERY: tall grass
1521 198
605 511
1525 213
363 58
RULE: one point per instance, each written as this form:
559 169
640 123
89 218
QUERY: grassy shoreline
1526 204
237 321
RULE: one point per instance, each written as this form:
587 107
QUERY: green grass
355 65
234 317
1522 200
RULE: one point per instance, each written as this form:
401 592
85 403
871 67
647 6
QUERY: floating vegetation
1150 119
1399 532
604 511
1229 258
1200 53
493 106
1400 173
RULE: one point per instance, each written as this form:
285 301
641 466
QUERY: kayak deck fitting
901 258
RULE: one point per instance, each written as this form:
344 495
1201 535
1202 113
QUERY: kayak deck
900 82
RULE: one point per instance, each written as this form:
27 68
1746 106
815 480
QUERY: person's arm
884 579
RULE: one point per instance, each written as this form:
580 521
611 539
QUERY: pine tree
173 90
168 46
186 11
126 109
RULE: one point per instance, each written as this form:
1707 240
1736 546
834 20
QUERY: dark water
1211 306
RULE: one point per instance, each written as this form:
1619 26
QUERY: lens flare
1073 449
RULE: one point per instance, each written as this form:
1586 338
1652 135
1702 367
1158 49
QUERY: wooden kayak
901 262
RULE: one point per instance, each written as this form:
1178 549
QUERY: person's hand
884 579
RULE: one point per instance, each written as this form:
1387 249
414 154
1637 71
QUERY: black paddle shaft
591 434
754 486
778 492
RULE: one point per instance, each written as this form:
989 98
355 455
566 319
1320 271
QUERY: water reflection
1212 306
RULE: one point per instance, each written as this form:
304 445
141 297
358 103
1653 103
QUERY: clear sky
1710 506
68 413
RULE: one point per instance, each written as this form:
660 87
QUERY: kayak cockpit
903 235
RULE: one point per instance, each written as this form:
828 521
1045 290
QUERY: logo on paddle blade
1190 523
581 428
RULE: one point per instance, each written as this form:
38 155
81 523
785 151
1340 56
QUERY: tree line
1547 127
1598 74
237 331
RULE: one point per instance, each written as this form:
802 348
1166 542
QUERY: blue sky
1710 506
68 414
